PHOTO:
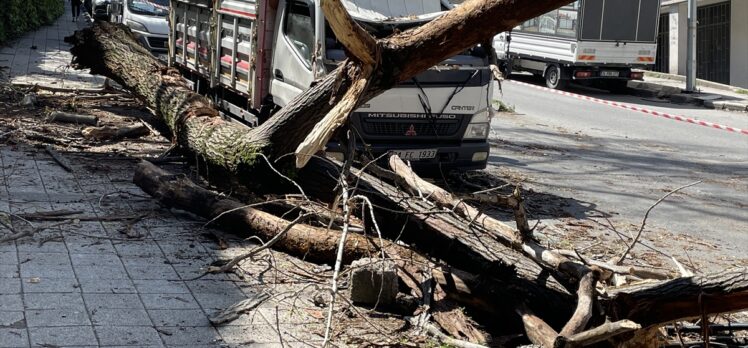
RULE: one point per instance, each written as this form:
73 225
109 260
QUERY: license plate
415 155
609 73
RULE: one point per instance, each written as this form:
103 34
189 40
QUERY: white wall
674 42
739 43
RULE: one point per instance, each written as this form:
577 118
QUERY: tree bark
655 303
312 243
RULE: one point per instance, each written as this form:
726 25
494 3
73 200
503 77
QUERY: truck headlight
482 116
476 131
136 26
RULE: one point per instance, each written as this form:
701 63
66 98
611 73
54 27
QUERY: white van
146 18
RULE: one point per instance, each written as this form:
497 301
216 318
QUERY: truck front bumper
460 157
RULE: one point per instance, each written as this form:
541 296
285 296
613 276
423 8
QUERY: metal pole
691 53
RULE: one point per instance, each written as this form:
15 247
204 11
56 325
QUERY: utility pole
691 54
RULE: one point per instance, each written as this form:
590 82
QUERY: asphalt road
615 163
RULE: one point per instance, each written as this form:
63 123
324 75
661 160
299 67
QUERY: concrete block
374 281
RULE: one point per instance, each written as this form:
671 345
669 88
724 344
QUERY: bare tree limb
646 215
585 301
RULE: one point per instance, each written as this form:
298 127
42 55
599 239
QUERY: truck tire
554 77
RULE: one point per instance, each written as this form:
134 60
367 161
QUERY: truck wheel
554 79
505 69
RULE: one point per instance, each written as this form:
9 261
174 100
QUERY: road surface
611 163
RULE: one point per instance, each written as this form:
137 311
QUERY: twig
644 221
19 235
230 265
58 158
240 208
338 259
284 177
431 329
41 215
85 217
682 270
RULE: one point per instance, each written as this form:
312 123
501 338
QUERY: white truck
586 41
146 18
252 57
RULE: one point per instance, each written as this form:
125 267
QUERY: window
561 22
567 23
299 29
159 8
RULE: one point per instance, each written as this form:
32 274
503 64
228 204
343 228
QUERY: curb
677 96
654 89
699 82
726 105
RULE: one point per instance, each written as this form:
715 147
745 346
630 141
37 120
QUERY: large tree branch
356 40
323 131
467 25
656 303
505 233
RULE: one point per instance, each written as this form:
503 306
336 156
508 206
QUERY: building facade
721 43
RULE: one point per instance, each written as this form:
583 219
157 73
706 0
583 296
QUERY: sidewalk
91 283
42 57
121 274
710 95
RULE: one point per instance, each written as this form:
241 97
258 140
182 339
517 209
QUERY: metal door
713 43
662 62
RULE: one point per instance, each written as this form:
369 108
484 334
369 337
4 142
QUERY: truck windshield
159 8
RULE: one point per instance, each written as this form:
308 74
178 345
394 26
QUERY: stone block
374 281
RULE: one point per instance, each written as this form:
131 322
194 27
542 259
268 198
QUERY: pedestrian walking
76 6
89 7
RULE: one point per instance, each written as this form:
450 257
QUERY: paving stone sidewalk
86 284
42 57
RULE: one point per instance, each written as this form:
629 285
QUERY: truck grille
157 42
411 128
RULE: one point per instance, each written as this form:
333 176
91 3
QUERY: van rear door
620 20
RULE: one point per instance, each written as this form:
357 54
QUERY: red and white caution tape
634 108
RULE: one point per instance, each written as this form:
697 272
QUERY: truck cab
265 53
146 18
437 120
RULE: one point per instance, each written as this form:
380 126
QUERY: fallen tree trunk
111 51
319 244
501 272
506 234
305 241
312 243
